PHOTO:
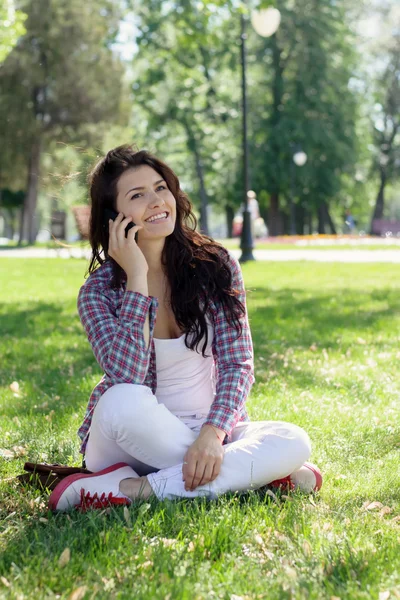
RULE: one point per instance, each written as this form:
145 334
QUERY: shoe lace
89 500
283 484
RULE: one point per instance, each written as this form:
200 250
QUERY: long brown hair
196 266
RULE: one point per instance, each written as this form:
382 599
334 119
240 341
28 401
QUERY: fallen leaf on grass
64 557
307 548
385 511
270 493
78 593
5 581
5 453
368 505
20 451
43 520
127 517
14 387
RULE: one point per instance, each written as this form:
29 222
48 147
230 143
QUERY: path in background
341 256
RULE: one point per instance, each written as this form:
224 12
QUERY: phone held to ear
111 214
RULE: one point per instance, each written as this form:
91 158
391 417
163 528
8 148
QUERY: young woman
166 318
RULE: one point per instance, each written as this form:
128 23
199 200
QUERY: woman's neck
152 250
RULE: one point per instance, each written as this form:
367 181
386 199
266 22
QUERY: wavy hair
196 266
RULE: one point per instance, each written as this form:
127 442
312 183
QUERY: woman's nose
156 200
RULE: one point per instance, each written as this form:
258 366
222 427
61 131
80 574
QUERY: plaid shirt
114 321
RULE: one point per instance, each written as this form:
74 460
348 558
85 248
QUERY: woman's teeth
160 217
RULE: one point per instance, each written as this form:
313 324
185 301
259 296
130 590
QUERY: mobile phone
112 214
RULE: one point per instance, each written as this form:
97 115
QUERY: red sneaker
96 490
307 479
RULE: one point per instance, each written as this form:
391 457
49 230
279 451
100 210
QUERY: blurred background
317 80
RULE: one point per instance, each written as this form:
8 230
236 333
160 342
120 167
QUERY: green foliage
11 27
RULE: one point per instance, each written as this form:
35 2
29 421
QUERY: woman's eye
137 195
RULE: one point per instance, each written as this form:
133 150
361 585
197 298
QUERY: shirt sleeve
234 362
118 342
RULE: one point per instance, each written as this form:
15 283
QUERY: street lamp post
299 158
265 22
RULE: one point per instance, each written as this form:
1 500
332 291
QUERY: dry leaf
307 548
78 593
64 558
43 520
14 387
190 547
167 542
127 516
372 505
20 450
385 511
335 598
270 493
5 453
5 581
396 519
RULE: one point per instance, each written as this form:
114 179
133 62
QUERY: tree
11 27
386 118
185 83
59 82
311 62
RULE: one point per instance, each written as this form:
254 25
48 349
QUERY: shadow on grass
45 348
292 317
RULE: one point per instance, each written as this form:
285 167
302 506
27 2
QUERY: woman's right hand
124 250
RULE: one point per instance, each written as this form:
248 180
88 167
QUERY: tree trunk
321 219
28 228
300 218
229 213
275 223
309 221
193 147
274 216
380 200
329 219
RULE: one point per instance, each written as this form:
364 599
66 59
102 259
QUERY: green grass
326 341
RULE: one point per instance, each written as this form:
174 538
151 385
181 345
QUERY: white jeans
129 425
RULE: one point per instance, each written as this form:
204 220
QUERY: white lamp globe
300 158
266 21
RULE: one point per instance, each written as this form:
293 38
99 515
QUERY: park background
79 78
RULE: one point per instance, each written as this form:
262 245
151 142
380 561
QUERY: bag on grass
47 475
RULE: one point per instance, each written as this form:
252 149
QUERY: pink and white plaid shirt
114 321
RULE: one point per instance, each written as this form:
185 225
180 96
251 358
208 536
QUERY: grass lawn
327 351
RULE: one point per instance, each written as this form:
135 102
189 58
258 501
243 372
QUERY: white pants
129 425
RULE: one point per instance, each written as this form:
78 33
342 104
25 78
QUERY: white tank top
185 380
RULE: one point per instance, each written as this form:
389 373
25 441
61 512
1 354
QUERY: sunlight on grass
326 341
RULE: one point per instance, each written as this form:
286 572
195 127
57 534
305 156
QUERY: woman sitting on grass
166 318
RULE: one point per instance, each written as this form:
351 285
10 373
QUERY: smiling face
144 195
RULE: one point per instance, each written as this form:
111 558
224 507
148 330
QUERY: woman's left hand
203 459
